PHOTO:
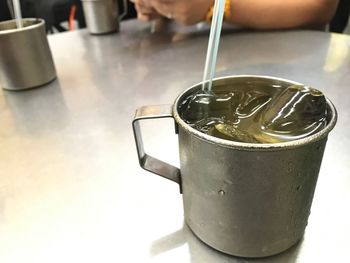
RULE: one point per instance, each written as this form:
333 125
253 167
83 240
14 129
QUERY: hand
186 12
145 12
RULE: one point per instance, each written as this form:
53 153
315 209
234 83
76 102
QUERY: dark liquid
262 114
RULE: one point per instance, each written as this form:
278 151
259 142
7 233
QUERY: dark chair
54 12
60 11
4 11
341 17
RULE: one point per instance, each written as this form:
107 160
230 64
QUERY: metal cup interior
250 80
10 26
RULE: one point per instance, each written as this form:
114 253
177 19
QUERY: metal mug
102 16
244 199
25 57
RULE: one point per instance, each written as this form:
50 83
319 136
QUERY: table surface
71 189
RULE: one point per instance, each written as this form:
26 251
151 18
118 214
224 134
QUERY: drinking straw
18 14
213 45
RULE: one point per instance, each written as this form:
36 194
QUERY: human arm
258 14
271 14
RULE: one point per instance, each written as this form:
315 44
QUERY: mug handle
125 11
146 161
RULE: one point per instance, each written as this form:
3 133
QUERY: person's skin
145 11
258 14
269 14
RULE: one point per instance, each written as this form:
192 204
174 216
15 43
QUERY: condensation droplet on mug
222 192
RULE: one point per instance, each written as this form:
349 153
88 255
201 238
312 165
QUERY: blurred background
60 15
64 15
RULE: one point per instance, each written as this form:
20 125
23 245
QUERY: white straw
18 13
213 45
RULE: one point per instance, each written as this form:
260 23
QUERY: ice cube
296 112
230 132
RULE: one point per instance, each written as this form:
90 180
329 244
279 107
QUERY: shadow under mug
25 57
244 199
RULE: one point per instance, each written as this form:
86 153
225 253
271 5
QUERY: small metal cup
25 56
245 199
102 16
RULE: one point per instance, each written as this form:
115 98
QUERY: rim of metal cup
36 22
255 146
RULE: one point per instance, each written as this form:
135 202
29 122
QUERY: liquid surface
263 114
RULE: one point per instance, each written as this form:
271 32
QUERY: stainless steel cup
25 56
102 16
244 199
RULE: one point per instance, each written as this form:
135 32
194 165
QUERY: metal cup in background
25 56
102 16
244 199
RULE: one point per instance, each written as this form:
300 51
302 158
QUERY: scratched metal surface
71 189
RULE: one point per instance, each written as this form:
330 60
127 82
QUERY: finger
163 7
167 2
142 6
148 17
143 17
146 13
154 16
144 9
